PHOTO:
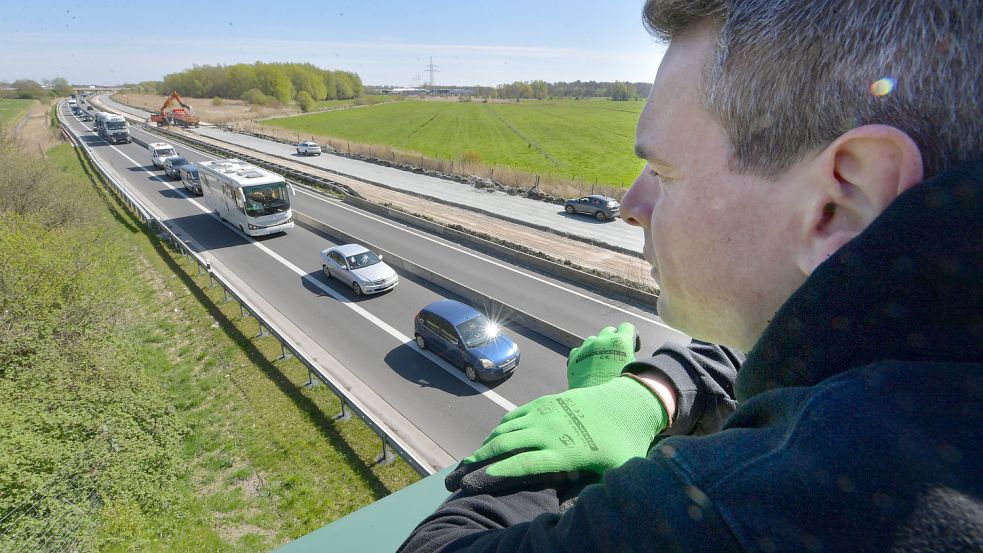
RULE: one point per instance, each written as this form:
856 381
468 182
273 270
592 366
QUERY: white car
159 151
358 267
308 149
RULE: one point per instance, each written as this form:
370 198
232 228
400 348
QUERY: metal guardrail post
387 456
344 414
284 354
262 332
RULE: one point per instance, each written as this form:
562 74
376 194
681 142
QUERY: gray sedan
600 207
173 165
358 267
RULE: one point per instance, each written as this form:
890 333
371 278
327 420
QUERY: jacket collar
910 287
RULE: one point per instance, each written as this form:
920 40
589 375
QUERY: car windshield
363 259
166 152
177 161
266 199
477 331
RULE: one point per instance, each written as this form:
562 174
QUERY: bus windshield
115 125
266 199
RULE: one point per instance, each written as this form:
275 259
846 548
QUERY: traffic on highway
450 391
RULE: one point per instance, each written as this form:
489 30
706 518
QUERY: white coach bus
254 200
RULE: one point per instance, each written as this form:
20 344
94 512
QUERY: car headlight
486 363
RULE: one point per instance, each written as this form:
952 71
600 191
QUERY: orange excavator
180 117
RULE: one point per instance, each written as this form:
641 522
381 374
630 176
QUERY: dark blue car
466 338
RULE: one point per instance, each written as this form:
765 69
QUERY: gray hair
790 76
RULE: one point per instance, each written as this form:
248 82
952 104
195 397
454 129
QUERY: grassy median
131 391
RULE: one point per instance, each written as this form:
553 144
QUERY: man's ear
854 179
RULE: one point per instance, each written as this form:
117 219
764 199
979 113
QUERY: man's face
720 243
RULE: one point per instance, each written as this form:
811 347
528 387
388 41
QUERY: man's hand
602 357
584 429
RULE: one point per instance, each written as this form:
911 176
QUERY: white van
159 151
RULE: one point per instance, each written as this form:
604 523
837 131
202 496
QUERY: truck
180 117
113 128
251 199
160 151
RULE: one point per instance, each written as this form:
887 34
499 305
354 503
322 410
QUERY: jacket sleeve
645 505
703 375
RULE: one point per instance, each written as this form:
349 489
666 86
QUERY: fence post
262 331
283 352
387 456
345 414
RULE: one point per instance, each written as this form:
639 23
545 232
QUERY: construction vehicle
180 117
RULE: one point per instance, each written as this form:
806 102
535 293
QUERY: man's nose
636 206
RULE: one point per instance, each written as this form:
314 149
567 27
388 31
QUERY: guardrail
537 262
390 438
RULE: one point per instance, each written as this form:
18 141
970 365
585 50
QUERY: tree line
539 90
26 88
262 83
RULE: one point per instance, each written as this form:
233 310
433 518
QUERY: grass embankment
137 410
575 140
11 109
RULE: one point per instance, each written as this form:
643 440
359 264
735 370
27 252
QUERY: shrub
216 101
305 101
256 97
470 157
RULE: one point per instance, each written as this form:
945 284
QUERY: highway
547 215
372 336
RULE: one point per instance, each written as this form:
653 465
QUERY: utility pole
431 68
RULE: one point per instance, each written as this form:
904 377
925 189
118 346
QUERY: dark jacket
860 425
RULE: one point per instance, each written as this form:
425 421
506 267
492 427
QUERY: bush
256 97
305 101
470 157
217 101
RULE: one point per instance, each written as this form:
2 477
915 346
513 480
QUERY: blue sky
385 42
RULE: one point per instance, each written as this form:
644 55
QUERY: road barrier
393 439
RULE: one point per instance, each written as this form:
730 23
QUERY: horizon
386 44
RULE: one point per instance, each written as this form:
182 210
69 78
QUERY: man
813 193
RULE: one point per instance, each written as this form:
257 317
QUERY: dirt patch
228 111
34 132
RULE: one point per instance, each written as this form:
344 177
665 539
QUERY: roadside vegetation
11 109
137 409
582 144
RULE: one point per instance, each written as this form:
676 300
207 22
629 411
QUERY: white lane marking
476 256
465 252
406 340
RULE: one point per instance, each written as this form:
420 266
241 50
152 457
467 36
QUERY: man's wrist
660 387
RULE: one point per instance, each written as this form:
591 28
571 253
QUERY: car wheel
470 372
298 151
327 271
569 209
420 342
357 289
600 216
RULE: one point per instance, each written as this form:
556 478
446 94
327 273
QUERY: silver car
358 267
308 149
602 208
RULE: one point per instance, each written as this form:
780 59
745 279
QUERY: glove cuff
650 406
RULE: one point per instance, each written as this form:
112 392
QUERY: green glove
602 357
580 430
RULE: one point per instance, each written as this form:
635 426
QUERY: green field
361 100
575 139
11 109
